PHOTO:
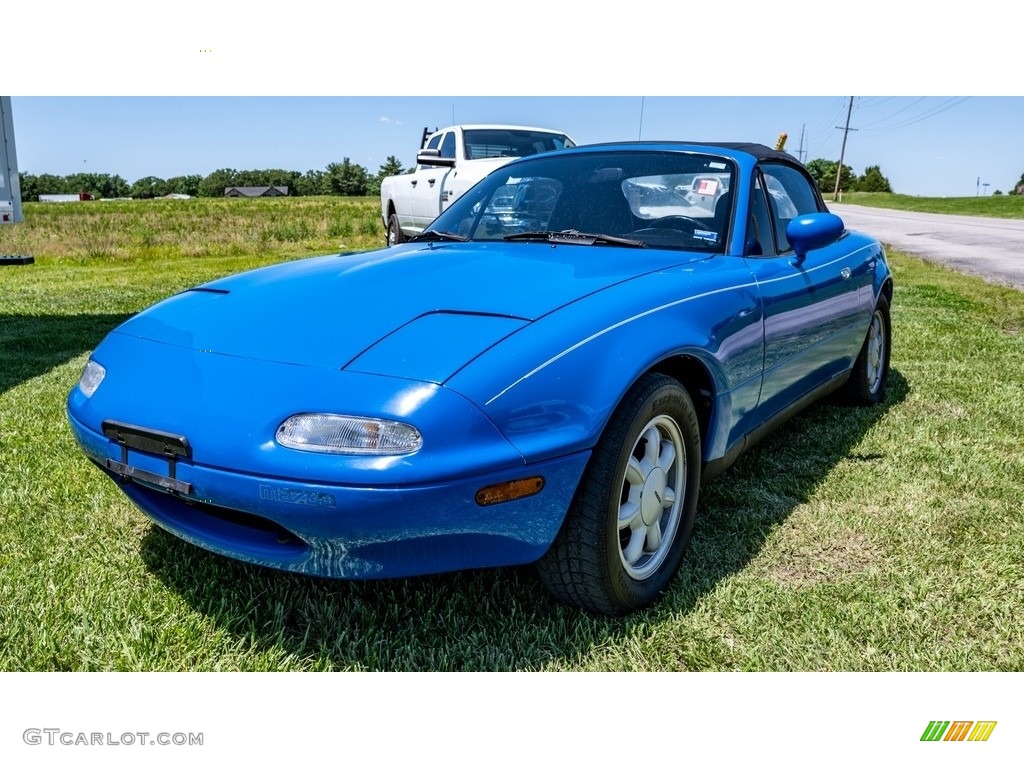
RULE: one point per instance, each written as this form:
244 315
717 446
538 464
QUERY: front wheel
395 234
625 534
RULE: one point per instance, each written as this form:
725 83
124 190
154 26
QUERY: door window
760 240
448 145
790 194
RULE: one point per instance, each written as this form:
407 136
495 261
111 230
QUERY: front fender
551 388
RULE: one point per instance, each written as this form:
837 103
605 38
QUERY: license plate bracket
165 445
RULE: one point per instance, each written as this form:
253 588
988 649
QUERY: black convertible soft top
759 151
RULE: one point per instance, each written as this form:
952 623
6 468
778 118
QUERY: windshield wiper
433 234
573 237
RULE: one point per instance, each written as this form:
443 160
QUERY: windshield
511 142
662 199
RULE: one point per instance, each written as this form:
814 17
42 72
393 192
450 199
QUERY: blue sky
935 145
113 86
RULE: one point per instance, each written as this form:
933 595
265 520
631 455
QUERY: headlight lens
334 433
91 377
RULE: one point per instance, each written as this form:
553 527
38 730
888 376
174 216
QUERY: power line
898 111
934 111
824 128
865 100
821 134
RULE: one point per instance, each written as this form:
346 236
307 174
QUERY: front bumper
344 530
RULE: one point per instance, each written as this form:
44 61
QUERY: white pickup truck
451 161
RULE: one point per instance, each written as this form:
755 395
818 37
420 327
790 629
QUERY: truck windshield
505 142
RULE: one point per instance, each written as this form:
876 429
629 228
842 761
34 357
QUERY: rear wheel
866 385
395 235
627 530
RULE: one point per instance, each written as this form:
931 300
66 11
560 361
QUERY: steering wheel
679 223
663 236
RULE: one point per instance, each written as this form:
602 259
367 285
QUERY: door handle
845 273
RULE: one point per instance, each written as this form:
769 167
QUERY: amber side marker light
502 492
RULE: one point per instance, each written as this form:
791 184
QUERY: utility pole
800 152
10 182
842 152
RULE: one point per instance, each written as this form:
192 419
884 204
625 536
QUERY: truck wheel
395 235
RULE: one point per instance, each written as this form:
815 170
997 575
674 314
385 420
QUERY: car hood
417 311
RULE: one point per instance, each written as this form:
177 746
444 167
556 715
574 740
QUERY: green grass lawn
996 206
881 539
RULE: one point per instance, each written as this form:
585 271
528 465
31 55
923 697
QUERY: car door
815 307
407 194
426 196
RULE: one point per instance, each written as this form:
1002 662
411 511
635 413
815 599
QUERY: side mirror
433 157
813 230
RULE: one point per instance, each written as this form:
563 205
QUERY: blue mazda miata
545 374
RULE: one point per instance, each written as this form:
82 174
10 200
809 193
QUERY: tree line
872 180
1018 188
345 179
824 174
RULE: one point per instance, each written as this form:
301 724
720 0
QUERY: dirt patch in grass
943 409
825 561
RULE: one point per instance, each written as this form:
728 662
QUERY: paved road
990 248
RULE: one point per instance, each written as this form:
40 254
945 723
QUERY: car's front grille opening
256 525
220 527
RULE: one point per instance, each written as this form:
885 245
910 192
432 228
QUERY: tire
625 534
395 234
866 385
